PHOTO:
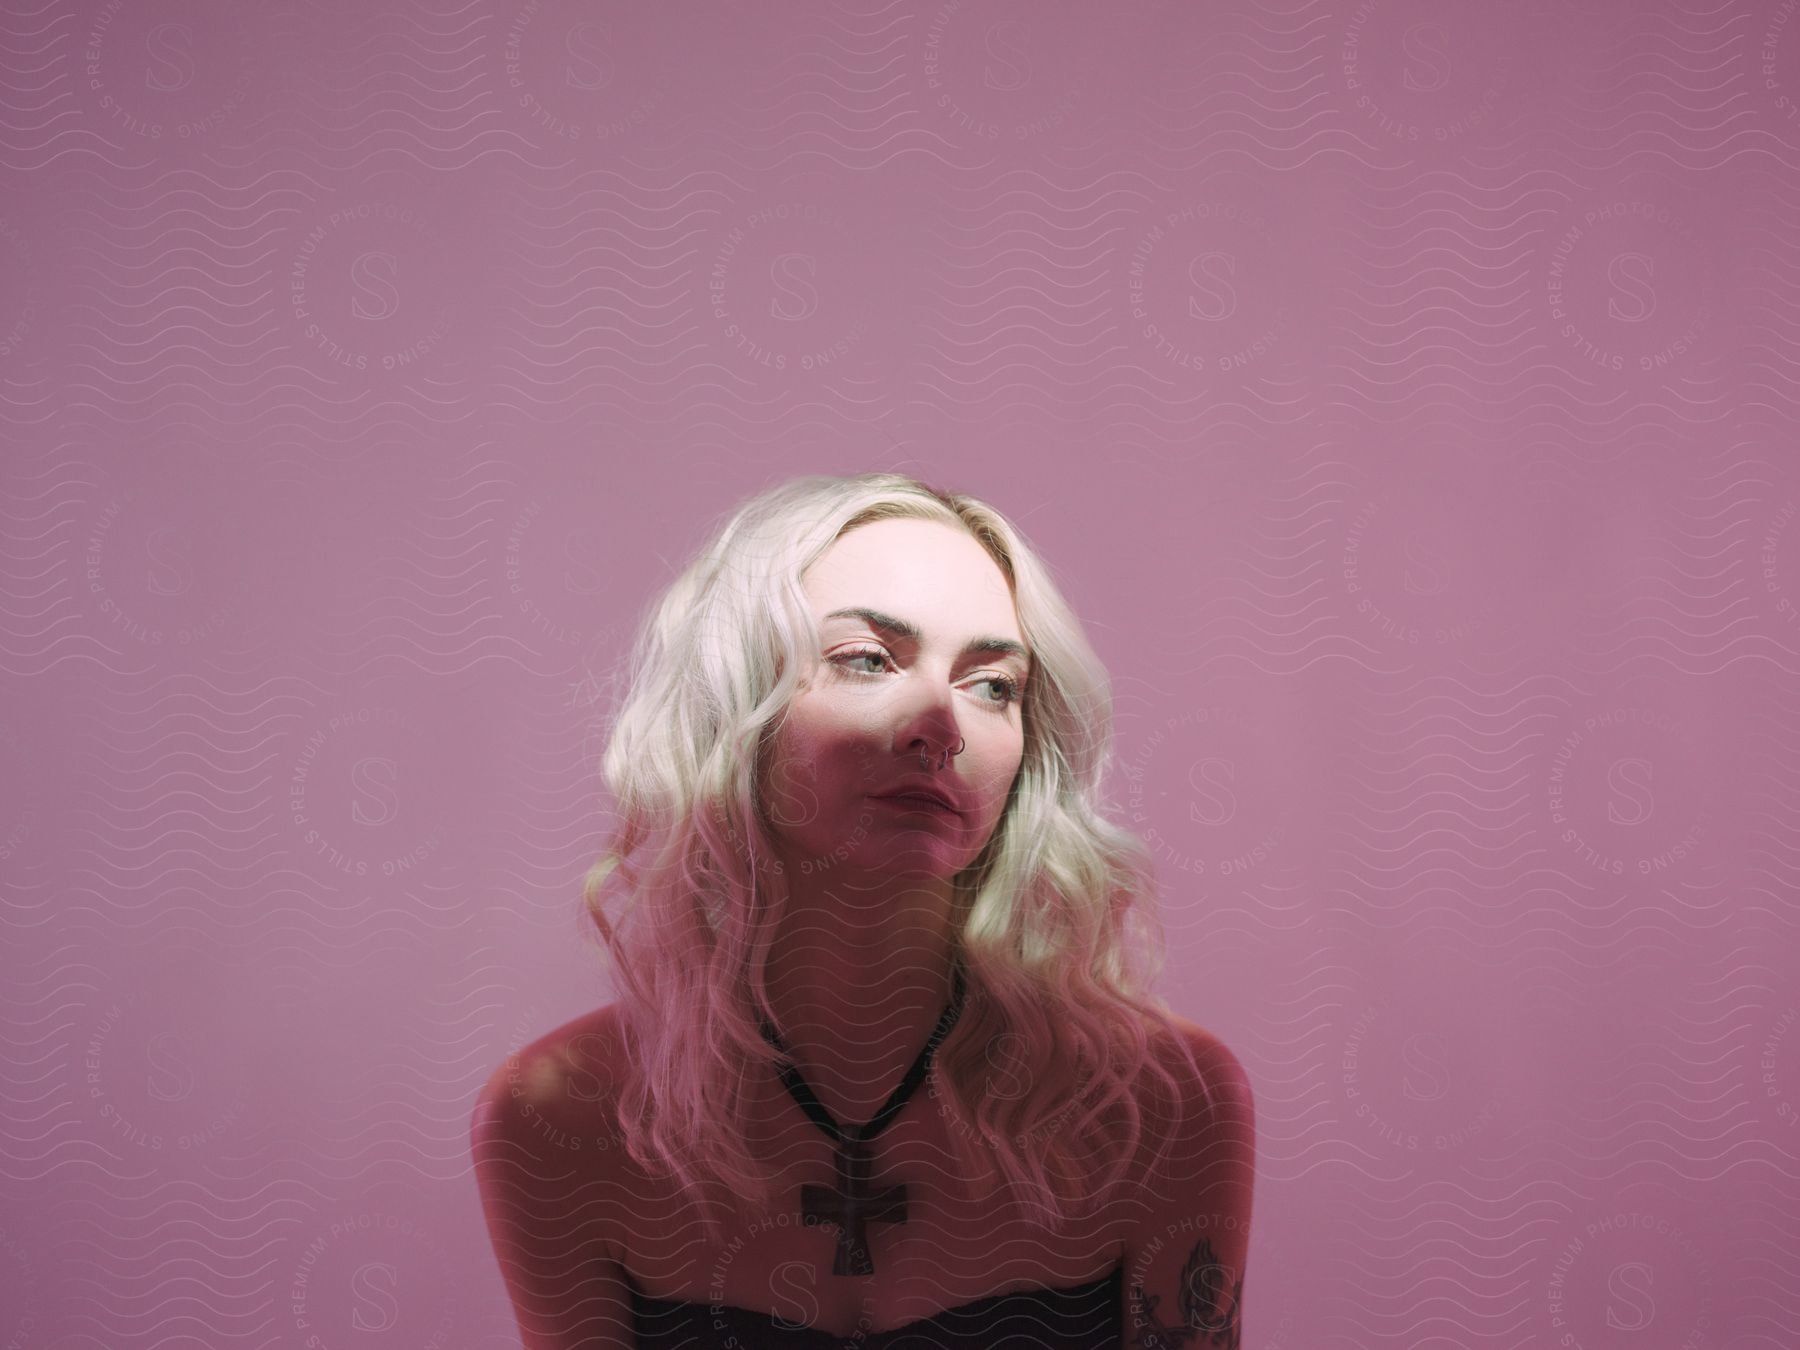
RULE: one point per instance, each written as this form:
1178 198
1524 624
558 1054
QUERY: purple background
1403 390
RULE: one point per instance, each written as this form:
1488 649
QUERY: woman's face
881 695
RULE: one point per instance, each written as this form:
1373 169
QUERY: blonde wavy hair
1059 938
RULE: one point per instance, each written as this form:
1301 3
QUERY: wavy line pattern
1403 391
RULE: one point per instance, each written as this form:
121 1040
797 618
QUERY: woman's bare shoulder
1220 1095
1220 1067
544 1141
567 1079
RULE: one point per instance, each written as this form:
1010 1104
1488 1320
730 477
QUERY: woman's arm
1184 1258
551 1214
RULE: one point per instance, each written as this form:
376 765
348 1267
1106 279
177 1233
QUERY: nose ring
924 763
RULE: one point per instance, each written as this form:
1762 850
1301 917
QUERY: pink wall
1403 389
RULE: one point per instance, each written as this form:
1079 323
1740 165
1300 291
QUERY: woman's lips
917 802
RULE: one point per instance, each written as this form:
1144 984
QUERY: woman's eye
1009 687
861 654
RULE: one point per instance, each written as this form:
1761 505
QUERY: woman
883 1069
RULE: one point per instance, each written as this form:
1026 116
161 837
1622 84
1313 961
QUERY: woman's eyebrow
887 623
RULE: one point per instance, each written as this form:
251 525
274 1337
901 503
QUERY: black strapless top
1086 1317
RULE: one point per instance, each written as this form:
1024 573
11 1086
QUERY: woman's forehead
912 569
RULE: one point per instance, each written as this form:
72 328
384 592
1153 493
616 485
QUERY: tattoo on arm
1209 1309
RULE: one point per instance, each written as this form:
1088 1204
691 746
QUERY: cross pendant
852 1206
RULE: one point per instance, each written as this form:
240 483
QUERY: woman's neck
857 989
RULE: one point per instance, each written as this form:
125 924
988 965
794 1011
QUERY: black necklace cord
808 1102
